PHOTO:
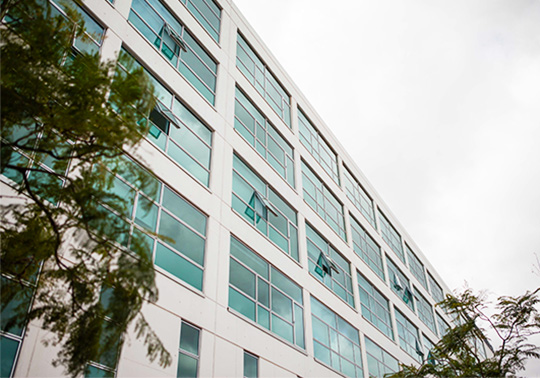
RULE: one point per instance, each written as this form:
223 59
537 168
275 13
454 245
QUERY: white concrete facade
224 333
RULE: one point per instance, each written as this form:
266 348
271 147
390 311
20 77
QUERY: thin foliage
68 259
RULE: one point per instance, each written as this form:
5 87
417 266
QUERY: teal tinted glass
174 128
273 301
323 201
263 80
258 204
391 236
9 349
178 266
425 311
262 135
162 30
20 298
380 362
207 13
359 197
189 339
436 291
314 142
241 303
408 335
319 252
365 247
335 342
251 368
94 31
92 371
375 307
416 267
400 283
187 366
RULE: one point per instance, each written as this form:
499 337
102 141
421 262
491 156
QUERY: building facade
282 260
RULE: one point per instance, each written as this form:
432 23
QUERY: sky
438 103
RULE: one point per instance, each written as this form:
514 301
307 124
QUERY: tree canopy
460 352
69 258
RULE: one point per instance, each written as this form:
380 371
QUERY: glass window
329 266
442 325
16 296
425 311
312 139
428 348
375 307
259 132
365 247
251 365
260 292
106 365
207 13
408 337
174 128
436 290
399 283
264 209
263 80
336 343
158 25
181 251
188 352
379 361
323 202
359 197
391 236
416 267
94 31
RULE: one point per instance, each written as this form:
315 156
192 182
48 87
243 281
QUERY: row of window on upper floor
186 140
180 134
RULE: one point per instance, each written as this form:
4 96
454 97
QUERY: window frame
288 164
404 344
268 282
315 144
265 72
327 200
383 354
329 252
357 352
416 266
366 254
216 38
181 46
165 144
373 300
188 353
266 203
391 236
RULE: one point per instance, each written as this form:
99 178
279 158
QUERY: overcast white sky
438 102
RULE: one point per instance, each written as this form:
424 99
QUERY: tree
459 352
69 260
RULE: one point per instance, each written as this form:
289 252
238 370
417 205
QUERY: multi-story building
282 259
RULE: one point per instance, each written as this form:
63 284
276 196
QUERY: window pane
178 266
187 366
250 366
189 339
9 352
